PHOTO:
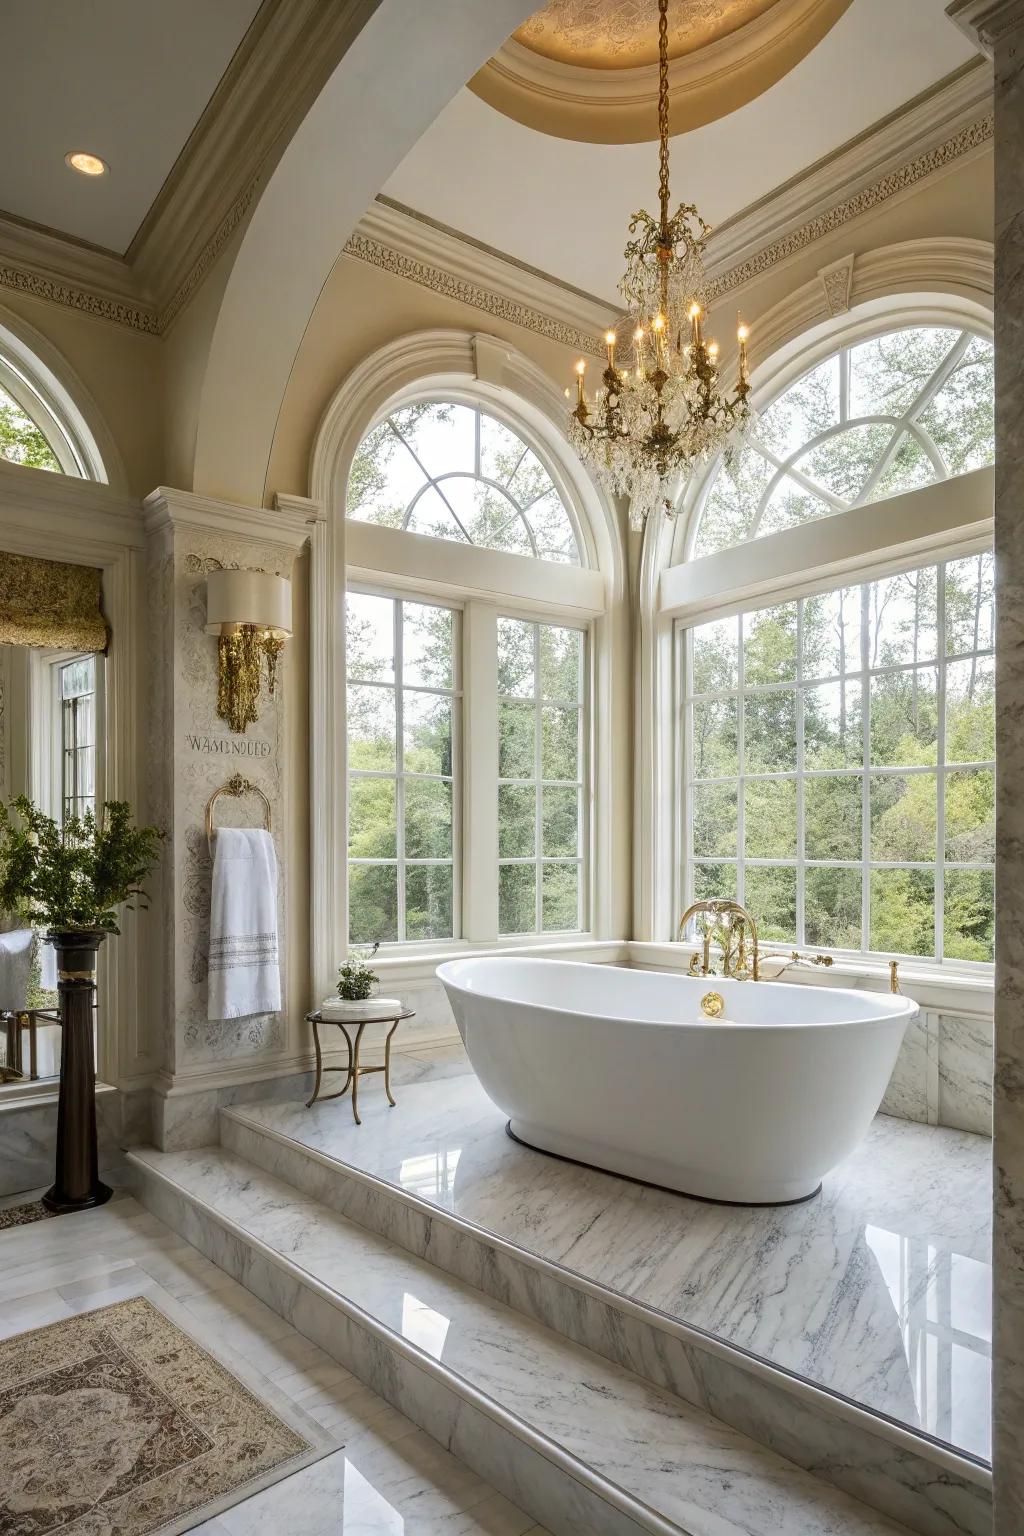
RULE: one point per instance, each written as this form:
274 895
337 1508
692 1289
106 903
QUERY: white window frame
946 520
46 768
398 687
865 770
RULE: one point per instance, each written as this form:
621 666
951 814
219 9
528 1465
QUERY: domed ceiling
588 69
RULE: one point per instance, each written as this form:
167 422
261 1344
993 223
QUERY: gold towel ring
236 786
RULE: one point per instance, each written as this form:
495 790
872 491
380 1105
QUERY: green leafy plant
78 875
355 977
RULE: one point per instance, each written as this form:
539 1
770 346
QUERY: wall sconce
251 613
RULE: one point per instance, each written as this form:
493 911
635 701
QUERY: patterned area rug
21 1215
117 1421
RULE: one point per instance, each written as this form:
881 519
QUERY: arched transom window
21 440
875 419
455 472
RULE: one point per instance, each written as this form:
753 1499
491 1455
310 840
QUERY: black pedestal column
77 1185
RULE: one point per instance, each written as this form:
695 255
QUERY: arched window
469 671
21 441
456 472
836 688
883 416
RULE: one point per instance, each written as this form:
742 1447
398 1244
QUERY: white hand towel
15 967
245 974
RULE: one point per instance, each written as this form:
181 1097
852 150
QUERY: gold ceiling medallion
588 69
651 422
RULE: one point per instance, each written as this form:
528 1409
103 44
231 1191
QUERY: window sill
420 964
931 986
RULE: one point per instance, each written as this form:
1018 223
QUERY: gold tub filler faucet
731 929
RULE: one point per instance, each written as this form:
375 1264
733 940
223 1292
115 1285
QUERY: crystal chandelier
655 419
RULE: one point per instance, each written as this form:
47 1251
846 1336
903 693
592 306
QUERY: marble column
997 26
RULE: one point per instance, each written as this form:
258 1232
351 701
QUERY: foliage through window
876 419
455 472
840 776
540 777
76 681
21 441
403 728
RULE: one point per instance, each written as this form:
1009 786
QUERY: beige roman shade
48 603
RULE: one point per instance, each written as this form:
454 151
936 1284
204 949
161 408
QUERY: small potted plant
72 881
356 979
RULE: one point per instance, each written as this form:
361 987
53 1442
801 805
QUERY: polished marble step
923 1485
580 1444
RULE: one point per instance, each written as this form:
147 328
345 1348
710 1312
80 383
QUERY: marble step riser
925 1488
567 1497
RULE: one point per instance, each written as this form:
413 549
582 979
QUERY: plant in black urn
72 881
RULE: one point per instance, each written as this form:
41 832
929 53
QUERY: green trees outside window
403 727
840 764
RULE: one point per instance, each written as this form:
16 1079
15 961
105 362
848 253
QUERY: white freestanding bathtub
621 1069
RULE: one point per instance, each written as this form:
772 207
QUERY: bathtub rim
894 1008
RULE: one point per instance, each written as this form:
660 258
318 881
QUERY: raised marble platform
591 1449
878 1290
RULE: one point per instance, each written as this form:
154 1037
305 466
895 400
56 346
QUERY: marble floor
387 1479
879 1289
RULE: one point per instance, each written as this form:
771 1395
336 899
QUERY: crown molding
928 134
407 245
286 524
988 23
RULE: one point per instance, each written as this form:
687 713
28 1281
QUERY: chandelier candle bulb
581 399
695 322
609 340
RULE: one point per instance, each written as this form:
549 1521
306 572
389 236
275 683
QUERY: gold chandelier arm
663 113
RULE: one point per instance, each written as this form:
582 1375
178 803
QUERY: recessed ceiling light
87 165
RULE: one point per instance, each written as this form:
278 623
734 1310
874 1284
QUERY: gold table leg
356 1069
387 1063
321 1069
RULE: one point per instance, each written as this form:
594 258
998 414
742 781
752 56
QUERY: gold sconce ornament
251 614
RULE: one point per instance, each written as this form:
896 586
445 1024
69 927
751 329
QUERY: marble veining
665 1457
878 1289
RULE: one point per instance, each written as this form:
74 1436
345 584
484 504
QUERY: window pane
971 816
833 726
969 916
770 645
770 819
832 818
843 462
908 468
810 406
710 880
427 645
442 436
715 656
559 897
790 505
902 619
832 901
371 727
904 718
971 711
428 819
714 738
77 678
428 901
516 659
714 819
560 748
903 911
517 898
372 903
771 896
370 637
903 818
517 724
769 724
970 604
561 653
960 419
517 813
427 732
560 823
832 630
371 819
888 372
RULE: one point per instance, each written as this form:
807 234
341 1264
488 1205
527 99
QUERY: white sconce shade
248 597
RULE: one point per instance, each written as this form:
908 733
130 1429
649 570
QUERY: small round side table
353 1072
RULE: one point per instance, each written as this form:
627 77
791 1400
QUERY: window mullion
741 793
940 760
400 766
800 879
538 842
480 721
865 788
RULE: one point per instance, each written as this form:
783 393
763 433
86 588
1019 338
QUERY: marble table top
878 1289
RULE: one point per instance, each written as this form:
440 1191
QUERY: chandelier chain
663 111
